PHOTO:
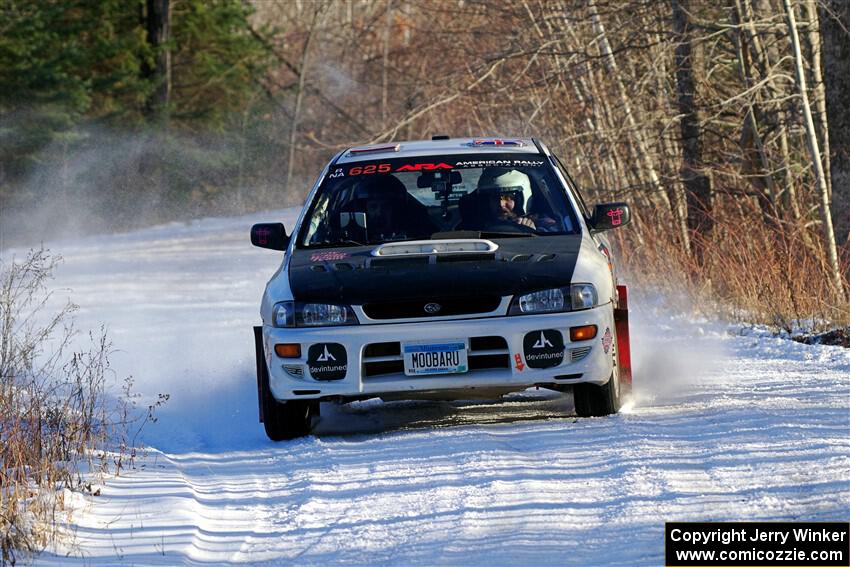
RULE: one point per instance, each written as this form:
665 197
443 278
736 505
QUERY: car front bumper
496 352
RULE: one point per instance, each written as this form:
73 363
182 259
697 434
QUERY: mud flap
621 322
262 371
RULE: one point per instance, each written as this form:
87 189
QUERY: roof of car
389 150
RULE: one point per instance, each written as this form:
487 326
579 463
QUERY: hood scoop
425 252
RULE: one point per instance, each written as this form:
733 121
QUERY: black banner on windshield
421 164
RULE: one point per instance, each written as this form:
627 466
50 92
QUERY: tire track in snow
725 428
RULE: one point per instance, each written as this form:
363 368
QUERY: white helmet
508 181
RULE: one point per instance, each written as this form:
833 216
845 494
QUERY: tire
591 400
287 420
595 401
284 420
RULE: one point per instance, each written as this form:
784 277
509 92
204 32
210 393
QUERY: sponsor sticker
262 235
337 173
518 362
328 256
424 167
499 163
370 169
543 349
327 361
616 216
606 340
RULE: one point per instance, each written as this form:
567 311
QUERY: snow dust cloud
672 356
97 180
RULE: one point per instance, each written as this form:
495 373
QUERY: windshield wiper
337 244
497 234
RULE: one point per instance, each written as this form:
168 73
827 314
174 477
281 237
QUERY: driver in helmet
507 193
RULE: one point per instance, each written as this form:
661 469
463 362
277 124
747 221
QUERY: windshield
425 197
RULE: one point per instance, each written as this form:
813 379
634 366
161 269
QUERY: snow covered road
724 428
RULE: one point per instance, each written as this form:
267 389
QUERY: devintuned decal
606 340
543 349
327 361
328 256
518 362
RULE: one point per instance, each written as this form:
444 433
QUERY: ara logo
543 349
542 342
337 173
327 361
423 167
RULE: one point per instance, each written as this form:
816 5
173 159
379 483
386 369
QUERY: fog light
583 333
288 350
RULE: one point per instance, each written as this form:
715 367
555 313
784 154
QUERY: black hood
351 275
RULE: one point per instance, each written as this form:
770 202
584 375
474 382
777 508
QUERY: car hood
353 275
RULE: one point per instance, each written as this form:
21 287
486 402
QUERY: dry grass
56 423
749 272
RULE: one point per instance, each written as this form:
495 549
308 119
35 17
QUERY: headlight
297 314
542 301
581 296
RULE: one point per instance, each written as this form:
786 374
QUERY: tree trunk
639 146
697 186
814 150
818 90
766 52
836 63
755 163
388 26
158 27
299 96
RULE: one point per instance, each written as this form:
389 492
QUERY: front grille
416 308
380 359
577 354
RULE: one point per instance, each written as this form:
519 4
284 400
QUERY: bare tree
304 65
814 150
640 146
836 61
697 184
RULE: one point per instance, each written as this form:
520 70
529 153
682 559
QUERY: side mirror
269 235
610 215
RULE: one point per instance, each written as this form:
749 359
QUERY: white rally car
441 269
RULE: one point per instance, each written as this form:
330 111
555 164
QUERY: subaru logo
433 308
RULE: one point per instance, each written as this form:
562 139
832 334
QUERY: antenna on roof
440 137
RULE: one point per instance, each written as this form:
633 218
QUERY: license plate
435 357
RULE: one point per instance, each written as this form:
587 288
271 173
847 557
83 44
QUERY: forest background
725 124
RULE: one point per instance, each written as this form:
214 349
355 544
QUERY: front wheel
595 401
287 420
281 420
